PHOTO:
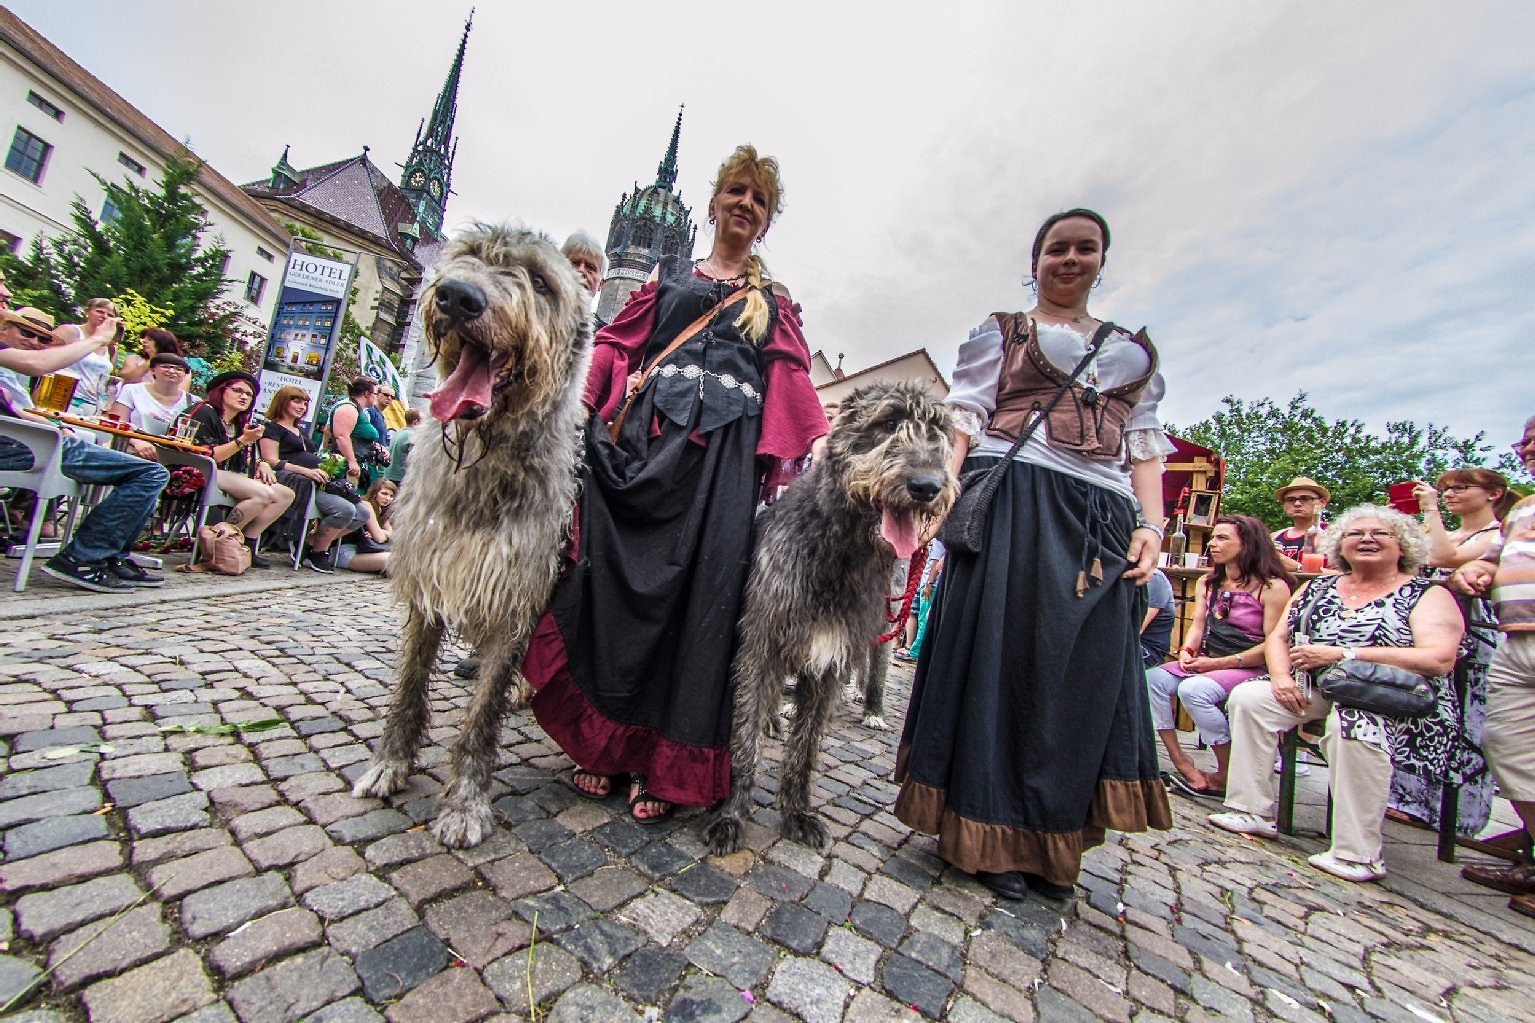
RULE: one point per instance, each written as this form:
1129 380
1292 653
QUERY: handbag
964 527
221 549
1370 686
342 488
677 342
1222 639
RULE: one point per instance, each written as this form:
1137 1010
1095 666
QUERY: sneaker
1347 869
257 561
319 561
1302 768
88 577
1244 824
1523 904
1518 880
133 573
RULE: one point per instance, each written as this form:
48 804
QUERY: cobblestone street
160 865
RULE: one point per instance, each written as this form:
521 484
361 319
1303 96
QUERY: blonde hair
755 318
278 406
100 303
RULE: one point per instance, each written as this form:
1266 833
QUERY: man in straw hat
1302 499
97 557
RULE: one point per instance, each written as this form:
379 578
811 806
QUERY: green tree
154 245
1265 445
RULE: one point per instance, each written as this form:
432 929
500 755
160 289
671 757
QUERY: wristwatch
1349 655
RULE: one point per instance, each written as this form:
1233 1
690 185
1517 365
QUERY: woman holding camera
92 371
222 422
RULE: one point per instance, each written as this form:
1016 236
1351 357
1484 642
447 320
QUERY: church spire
429 169
666 170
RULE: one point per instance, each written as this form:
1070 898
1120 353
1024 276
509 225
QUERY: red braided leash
913 577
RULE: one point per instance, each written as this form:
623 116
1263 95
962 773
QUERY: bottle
1178 543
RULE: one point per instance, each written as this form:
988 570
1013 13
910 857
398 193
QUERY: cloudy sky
1334 197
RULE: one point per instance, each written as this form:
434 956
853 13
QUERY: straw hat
35 320
1303 483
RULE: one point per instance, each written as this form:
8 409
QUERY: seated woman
155 403
223 422
1479 498
1236 604
363 550
289 450
1379 610
133 369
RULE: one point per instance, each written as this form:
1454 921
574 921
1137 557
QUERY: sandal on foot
1178 783
577 772
642 795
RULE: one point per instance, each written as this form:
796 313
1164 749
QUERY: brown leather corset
1088 421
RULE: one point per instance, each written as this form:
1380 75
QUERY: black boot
257 561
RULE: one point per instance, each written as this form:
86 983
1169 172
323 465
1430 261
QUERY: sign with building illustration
306 324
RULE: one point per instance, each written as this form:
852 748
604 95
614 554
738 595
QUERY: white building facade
59 124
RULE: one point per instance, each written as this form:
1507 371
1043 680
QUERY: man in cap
97 556
1302 499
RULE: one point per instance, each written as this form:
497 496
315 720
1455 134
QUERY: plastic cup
1190 560
1312 562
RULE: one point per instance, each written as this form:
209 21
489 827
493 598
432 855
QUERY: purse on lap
1370 686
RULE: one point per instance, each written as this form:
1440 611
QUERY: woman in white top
1029 730
93 370
153 405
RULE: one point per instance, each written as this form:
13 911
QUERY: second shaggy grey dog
486 502
815 600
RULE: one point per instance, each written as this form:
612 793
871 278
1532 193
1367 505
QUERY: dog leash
687 332
914 570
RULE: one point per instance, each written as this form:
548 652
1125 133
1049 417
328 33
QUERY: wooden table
122 431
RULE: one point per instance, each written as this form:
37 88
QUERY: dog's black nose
924 488
459 299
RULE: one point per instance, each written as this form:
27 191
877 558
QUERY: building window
10 242
109 213
48 108
263 253
131 163
224 264
644 235
255 286
28 156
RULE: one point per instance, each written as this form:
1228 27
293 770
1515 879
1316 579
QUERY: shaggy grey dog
815 599
486 503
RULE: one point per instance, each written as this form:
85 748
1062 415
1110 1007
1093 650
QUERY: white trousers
1359 773
1202 697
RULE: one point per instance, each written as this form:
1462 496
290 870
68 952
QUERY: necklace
1360 595
1078 319
714 272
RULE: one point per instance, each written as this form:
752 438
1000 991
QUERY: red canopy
1181 468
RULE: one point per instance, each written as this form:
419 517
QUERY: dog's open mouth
901 529
468 391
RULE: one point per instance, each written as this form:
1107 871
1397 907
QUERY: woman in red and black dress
631 665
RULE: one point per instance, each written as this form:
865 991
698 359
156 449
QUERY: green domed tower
648 223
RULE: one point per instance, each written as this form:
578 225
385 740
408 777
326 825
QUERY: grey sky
1330 197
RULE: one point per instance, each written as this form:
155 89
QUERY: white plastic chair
45 478
212 496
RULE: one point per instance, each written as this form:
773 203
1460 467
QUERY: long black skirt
632 665
1029 731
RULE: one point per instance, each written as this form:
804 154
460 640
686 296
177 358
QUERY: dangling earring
1098 281
1031 283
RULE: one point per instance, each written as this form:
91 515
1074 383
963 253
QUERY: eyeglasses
1222 609
1299 499
1373 534
242 390
1461 488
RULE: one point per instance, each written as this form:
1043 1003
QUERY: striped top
1513 585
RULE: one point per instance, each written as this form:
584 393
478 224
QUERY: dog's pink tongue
900 531
468 386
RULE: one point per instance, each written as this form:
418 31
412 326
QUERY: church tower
428 175
649 223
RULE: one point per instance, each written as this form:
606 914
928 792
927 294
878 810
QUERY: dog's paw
460 827
382 778
805 828
876 722
723 835
519 694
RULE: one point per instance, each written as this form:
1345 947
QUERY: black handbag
341 488
1222 639
964 528
1369 686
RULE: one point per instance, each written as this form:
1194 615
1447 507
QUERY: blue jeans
115 523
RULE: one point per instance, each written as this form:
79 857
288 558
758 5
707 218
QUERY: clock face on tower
417 179
435 187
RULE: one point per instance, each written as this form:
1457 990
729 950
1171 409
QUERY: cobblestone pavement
155 869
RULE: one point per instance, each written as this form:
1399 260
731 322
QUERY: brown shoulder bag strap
677 342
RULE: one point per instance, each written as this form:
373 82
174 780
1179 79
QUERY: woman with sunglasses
1478 498
1236 604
